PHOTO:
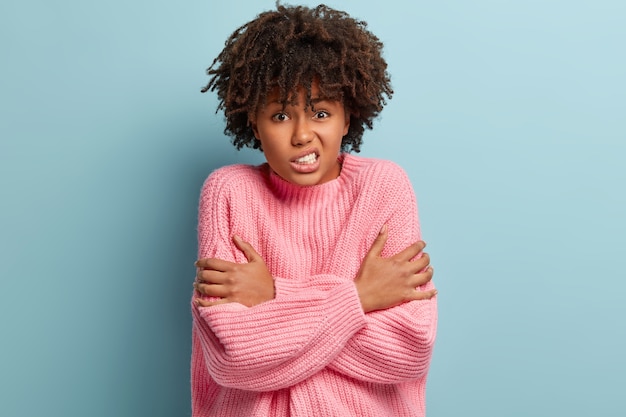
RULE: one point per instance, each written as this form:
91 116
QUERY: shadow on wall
202 156
154 312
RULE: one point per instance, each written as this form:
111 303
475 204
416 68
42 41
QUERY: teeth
308 159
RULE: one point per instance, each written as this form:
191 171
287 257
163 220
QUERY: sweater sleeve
238 346
396 344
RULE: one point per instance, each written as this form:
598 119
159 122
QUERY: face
301 145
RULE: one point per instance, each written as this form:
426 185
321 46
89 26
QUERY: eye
321 114
280 117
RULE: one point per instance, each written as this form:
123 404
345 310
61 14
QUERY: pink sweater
311 351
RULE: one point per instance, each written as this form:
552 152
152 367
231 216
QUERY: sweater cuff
284 287
342 298
350 317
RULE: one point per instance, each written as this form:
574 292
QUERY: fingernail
383 229
236 238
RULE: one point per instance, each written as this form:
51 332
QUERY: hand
248 284
387 282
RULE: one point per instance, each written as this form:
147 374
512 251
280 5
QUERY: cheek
270 150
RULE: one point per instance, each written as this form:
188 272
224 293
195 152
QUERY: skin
286 134
248 283
381 282
289 132
387 282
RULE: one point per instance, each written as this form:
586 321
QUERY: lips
306 162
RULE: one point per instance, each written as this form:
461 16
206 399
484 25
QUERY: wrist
364 298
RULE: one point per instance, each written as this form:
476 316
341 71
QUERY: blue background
508 117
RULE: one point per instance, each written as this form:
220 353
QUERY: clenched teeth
307 159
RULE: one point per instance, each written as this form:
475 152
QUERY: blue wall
508 116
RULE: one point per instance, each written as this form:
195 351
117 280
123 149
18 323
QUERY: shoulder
237 173
378 173
233 179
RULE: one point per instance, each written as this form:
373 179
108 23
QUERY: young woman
313 295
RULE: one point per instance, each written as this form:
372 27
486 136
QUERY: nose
302 133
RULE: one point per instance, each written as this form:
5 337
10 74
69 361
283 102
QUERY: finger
379 242
214 264
207 303
209 276
202 263
423 277
424 295
411 251
212 290
420 264
246 248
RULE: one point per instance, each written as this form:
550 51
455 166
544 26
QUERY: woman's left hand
249 284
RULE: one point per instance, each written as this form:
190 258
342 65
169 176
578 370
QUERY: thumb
246 248
379 242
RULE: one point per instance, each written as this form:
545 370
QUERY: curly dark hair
289 48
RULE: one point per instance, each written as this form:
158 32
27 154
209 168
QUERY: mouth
306 163
307 159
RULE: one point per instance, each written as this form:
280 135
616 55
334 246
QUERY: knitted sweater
311 351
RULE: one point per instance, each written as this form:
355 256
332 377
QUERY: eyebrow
319 99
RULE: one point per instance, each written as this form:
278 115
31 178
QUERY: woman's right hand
387 282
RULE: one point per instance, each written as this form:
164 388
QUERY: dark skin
381 282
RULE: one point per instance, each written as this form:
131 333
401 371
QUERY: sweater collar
289 191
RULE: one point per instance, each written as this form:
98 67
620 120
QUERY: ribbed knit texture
311 351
